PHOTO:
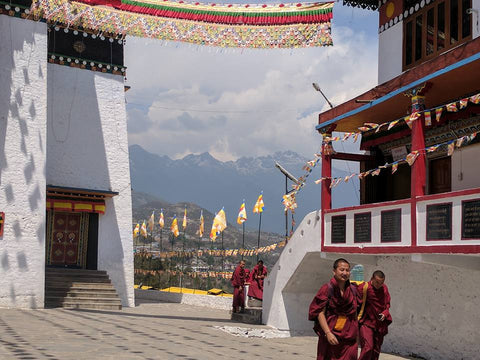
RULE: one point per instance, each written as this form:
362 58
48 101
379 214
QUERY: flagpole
161 233
243 238
223 259
259 226
183 259
171 263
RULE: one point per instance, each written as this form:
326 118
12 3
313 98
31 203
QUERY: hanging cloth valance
76 206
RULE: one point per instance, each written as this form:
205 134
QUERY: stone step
76 276
90 293
80 289
70 272
79 286
249 316
93 306
77 280
60 300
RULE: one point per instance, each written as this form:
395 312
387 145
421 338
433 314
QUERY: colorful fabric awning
222 25
76 206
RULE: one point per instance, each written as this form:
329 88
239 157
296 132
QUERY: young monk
334 311
238 283
376 316
257 277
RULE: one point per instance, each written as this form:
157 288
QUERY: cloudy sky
232 103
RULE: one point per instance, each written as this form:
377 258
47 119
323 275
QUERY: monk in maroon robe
257 277
238 283
375 317
334 310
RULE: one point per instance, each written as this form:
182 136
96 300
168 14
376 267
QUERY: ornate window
434 29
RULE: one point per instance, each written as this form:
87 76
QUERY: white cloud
233 103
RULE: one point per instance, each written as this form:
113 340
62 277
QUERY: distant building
420 224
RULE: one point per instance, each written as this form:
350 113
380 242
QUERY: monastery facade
65 194
419 213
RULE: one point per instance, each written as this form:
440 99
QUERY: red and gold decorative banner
240 26
76 206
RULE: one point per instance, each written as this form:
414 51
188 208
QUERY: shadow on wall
20 75
11 42
300 290
80 124
109 234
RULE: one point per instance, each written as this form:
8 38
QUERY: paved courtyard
149 331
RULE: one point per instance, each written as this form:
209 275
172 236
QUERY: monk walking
334 310
238 283
257 277
375 318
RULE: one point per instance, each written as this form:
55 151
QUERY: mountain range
213 184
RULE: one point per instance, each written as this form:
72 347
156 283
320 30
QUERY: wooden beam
351 157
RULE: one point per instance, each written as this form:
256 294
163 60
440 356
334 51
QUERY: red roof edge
450 57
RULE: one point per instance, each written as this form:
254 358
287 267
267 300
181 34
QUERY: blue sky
232 103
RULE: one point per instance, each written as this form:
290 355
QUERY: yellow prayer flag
174 227
259 205
184 223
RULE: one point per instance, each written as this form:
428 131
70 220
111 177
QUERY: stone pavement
149 331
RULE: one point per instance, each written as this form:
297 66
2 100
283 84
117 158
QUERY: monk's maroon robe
256 283
372 330
336 305
238 280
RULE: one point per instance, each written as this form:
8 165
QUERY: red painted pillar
418 173
326 173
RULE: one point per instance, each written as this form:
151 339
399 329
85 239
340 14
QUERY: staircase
80 289
252 315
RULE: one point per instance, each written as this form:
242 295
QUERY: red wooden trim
384 139
448 194
432 249
413 221
463 51
362 213
351 157
381 226
366 206
322 237
461 234
451 221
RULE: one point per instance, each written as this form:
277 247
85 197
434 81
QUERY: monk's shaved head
379 274
339 261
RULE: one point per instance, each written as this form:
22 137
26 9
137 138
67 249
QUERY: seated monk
334 310
257 277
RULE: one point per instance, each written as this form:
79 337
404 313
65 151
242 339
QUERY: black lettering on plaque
362 228
339 225
439 222
471 219
391 225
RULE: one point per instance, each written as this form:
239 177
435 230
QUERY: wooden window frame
423 12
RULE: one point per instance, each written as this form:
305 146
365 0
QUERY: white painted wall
278 305
390 52
465 165
87 147
209 301
434 306
434 297
456 202
376 211
23 99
